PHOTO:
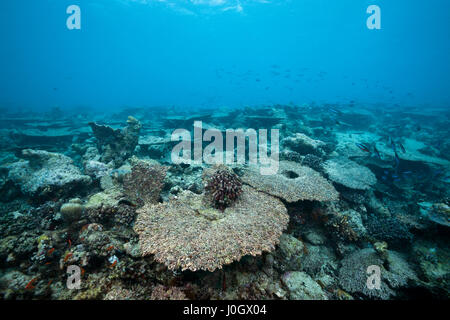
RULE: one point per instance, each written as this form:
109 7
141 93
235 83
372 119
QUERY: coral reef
185 233
163 293
138 226
72 210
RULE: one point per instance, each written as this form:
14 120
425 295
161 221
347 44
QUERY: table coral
186 233
349 174
293 182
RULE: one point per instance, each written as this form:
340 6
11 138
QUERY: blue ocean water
223 53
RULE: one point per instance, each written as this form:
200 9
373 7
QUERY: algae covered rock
289 254
302 287
304 145
117 145
43 173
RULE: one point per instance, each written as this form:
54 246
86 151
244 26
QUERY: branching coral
224 187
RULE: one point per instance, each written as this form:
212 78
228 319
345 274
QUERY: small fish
68 256
49 252
335 111
110 248
30 285
394 148
397 159
402 148
70 243
377 153
82 271
113 264
363 147
47 263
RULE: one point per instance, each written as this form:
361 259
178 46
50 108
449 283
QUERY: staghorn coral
188 233
145 182
223 186
292 183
